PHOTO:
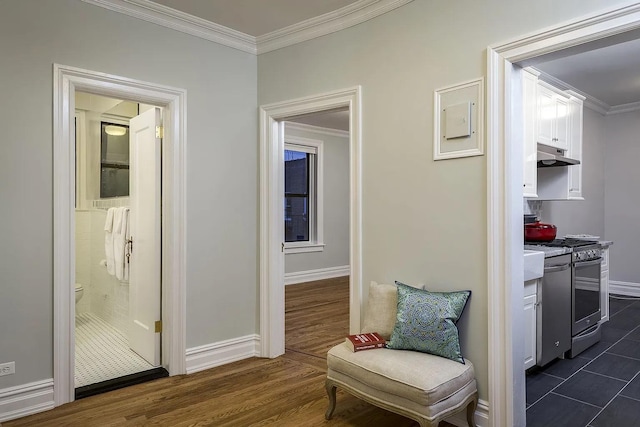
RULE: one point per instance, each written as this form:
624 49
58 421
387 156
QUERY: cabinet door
604 295
530 331
575 149
604 286
561 134
530 149
546 116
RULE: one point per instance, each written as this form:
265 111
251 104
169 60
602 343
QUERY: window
303 195
114 160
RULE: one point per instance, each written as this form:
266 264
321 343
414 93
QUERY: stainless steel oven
585 302
585 299
582 306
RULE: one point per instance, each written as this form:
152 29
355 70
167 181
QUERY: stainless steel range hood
553 157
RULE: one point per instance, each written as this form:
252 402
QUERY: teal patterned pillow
426 321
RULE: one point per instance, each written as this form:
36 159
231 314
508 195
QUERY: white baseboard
319 274
26 399
481 416
223 352
629 289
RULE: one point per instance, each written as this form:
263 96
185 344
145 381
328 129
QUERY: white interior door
145 261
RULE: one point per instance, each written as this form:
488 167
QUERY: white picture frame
462 143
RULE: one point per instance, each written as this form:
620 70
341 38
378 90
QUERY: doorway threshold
120 382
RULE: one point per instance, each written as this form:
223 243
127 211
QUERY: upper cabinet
530 127
565 182
553 118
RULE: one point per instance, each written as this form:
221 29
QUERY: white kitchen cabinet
575 146
530 128
604 286
530 308
553 116
565 182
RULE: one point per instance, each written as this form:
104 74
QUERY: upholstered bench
419 385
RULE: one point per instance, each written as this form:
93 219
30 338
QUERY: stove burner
570 243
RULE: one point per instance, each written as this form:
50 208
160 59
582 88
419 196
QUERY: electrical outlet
7 368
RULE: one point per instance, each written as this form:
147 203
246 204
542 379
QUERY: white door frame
66 80
504 187
272 212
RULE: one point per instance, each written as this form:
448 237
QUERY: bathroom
102 350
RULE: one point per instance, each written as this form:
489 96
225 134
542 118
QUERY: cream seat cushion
421 378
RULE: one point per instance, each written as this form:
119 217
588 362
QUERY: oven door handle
556 268
587 263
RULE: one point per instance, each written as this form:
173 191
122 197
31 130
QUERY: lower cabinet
604 286
530 308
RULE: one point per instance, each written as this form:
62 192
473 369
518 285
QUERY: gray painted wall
621 203
336 206
423 221
584 216
221 127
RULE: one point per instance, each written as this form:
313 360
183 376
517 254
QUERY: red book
366 341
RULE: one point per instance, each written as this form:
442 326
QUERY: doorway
316 231
505 209
272 246
111 348
68 80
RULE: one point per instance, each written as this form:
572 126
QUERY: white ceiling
256 17
610 74
330 119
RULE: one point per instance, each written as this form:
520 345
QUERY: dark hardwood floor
285 391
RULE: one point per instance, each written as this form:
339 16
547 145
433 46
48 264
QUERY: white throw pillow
382 307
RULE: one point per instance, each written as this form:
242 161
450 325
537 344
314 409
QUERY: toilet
79 292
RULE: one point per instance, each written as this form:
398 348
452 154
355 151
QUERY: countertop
553 251
548 250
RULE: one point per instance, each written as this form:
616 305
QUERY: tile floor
102 352
600 387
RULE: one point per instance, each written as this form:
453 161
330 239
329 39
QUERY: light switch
457 120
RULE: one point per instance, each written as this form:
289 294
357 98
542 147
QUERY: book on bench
366 341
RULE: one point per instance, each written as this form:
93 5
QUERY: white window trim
316 190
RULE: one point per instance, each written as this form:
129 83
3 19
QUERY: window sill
300 248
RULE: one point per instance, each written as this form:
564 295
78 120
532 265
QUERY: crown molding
625 108
180 21
316 129
589 101
345 17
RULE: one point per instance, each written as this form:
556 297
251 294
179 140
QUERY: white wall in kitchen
622 204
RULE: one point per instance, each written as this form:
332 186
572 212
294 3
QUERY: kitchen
596 122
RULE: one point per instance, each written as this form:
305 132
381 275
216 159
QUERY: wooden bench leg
331 392
471 410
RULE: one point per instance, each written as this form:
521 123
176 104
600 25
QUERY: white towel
108 241
120 221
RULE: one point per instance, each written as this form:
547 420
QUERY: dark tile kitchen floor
598 388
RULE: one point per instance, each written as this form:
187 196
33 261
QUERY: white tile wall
104 295
83 257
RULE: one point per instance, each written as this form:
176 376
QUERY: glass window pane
114 160
296 189
296 219
114 182
296 172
